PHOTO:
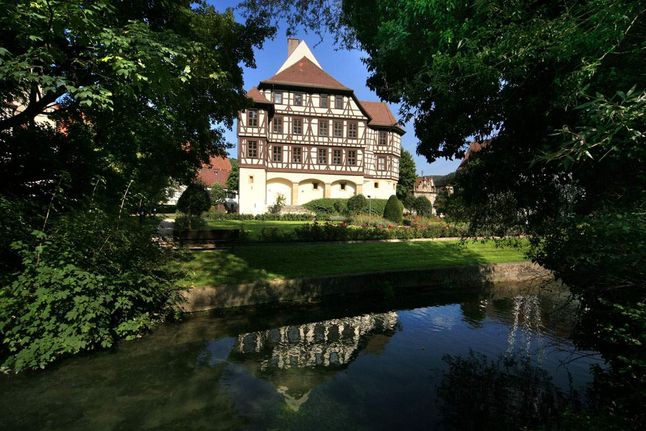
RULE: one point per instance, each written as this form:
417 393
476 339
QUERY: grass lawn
254 227
250 263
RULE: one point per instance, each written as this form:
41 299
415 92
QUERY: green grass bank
246 264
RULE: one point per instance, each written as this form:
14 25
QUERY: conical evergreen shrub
394 210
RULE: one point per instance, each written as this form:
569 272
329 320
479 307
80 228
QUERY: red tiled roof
257 96
307 74
379 113
216 171
474 147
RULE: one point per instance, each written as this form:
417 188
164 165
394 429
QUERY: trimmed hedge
265 217
329 206
342 232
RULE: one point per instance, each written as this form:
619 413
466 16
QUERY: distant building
425 187
216 171
307 136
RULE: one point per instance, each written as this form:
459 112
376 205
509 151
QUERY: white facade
306 142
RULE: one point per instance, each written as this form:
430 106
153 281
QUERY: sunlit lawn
283 261
254 227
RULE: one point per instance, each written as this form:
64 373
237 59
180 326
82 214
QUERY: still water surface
471 360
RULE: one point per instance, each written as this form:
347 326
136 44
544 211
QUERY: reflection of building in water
527 321
331 343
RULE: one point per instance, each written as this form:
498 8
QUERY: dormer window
298 99
252 118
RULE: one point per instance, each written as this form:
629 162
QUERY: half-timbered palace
307 136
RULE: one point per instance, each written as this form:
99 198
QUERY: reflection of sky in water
366 371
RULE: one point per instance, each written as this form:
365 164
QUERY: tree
394 210
442 201
556 89
218 194
139 94
423 206
141 90
194 200
234 176
407 175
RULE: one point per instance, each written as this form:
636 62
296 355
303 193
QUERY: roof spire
297 49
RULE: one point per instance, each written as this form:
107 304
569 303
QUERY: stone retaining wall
310 290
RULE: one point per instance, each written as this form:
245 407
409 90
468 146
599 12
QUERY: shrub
357 203
365 220
195 200
423 206
89 281
394 210
280 203
326 206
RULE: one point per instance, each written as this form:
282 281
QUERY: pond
495 358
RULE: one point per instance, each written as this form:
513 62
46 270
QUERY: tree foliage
137 87
218 194
407 175
423 206
234 176
102 105
556 88
194 200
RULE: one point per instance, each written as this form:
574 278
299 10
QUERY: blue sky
345 66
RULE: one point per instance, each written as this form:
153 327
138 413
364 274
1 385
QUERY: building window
297 155
298 99
381 163
376 185
342 186
324 101
336 157
315 186
383 138
277 153
297 126
252 118
278 98
338 102
352 129
252 149
324 127
352 157
278 124
338 129
322 156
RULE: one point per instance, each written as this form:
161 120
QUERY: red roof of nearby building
257 96
216 171
474 147
306 74
380 114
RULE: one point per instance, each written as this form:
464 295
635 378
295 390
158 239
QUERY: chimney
292 43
